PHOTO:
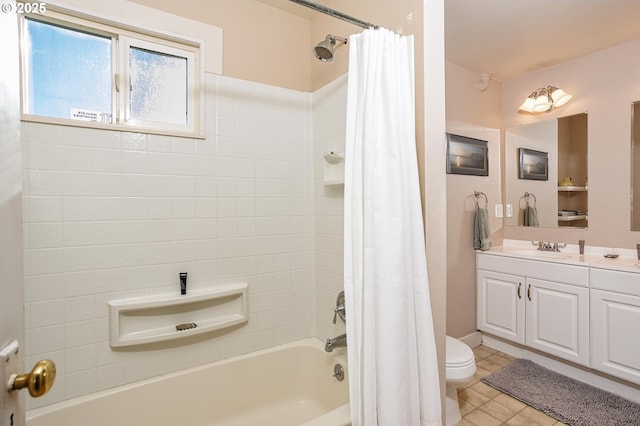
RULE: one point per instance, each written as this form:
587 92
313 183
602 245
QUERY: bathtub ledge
340 416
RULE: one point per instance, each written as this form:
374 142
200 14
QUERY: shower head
324 49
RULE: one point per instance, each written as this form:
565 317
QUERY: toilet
461 366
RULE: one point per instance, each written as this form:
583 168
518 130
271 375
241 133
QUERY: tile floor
482 405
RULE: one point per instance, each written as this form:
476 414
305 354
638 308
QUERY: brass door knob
38 381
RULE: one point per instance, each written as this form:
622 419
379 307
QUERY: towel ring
526 198
477 195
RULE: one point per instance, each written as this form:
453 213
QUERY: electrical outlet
509 210
499 210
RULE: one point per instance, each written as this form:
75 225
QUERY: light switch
509 210
499 210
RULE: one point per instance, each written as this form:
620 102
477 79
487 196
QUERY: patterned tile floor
482 405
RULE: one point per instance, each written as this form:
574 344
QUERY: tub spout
337 341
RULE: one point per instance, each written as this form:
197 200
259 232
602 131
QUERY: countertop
593 257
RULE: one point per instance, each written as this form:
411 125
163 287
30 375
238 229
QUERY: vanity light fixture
545 99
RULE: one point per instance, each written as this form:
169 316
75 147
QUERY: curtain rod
335 13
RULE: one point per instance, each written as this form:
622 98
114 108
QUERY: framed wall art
534 165
467 156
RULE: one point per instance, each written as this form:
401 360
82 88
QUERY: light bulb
560 97
527 105
542 104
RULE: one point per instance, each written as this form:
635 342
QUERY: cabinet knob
519 294
529 292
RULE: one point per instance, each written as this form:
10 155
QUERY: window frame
123 36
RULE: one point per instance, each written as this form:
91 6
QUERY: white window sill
112 127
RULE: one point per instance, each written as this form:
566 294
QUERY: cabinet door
501 305
615 333
558 319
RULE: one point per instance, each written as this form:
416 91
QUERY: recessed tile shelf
158 318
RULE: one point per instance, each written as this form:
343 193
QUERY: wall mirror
546 181
635 166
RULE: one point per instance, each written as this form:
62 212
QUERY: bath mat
565 399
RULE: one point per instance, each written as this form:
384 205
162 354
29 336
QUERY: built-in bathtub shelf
333 168
162 317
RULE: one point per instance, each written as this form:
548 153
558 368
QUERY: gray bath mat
565 399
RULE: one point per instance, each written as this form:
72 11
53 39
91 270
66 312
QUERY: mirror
635 166
546 173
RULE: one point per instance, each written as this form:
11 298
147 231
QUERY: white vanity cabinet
557 319
500 309
542 305
615 323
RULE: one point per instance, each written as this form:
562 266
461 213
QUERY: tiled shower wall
110 215
329 129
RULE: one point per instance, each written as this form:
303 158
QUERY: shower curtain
391 351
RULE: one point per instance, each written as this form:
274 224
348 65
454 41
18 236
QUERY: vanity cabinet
615 320
500 309
557 319
542 305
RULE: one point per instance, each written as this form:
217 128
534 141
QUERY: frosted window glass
158 87
69 73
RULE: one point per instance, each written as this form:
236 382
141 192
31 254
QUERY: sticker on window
86 115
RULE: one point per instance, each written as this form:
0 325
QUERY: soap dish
611 255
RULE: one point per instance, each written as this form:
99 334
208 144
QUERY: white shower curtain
391 351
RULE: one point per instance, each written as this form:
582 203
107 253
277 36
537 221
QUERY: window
68 73
158 84
91 72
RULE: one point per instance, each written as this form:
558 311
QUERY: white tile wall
329 131
112 214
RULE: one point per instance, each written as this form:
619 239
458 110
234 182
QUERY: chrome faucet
542 246
337 341
339 311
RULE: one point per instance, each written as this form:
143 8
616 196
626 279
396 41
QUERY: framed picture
467 156
534 165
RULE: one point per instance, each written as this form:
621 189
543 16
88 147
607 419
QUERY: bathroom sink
540 253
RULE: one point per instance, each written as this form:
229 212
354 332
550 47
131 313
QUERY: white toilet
461 366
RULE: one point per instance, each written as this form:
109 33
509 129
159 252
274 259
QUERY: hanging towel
531 216
481 234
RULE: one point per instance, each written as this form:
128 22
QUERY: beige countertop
593 257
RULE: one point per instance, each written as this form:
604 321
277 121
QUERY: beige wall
393 16
606 92
262 44
466 104
126 13
475 114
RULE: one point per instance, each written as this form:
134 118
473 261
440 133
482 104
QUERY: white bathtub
291 384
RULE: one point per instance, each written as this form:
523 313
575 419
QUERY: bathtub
291 384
